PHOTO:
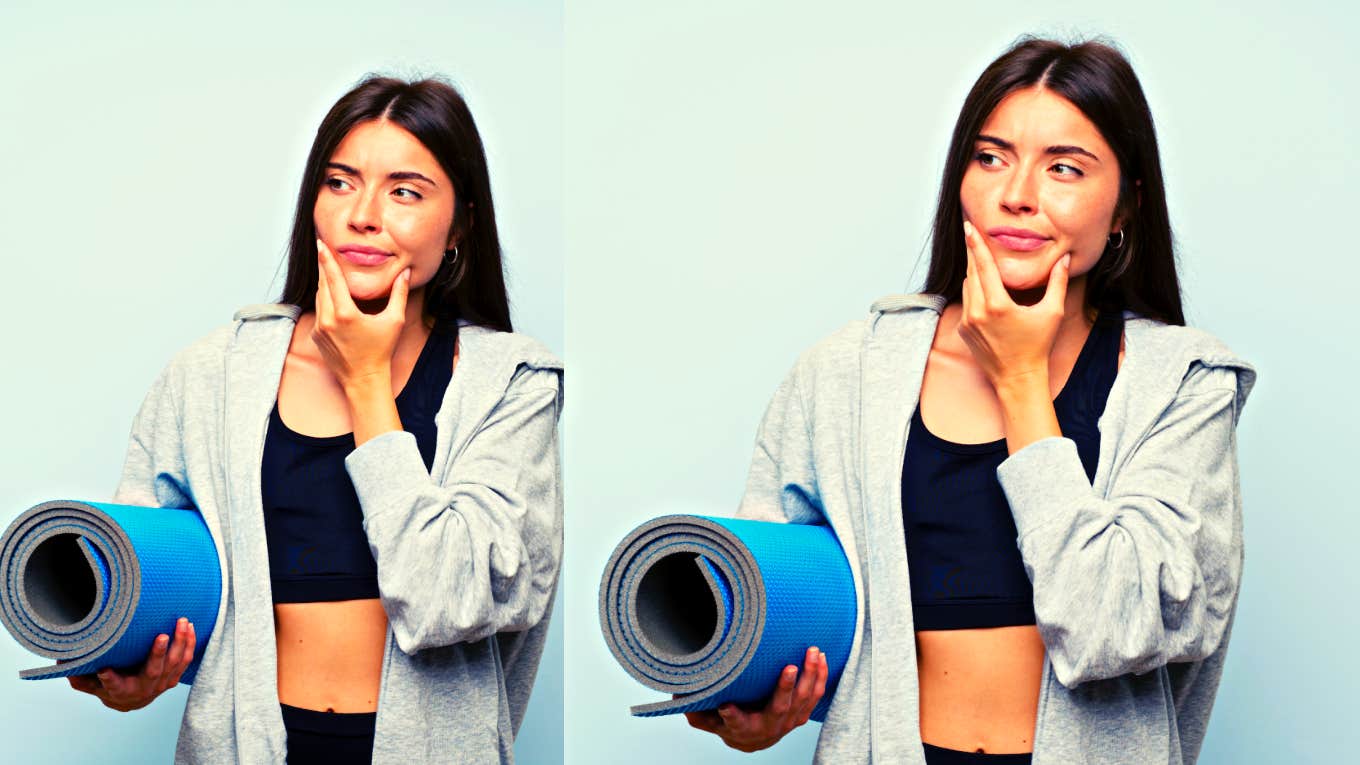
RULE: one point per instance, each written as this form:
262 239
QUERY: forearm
1028 411
372 406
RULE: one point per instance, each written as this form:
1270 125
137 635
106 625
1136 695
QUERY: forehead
380 146
1037 117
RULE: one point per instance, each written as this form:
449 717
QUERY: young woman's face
384 204
1041 166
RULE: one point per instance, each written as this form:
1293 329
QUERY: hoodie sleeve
781 485
462 562
1150 575
153 468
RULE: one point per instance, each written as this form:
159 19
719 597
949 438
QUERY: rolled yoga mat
92 584
713 609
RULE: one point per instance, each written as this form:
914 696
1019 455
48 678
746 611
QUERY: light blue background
742 179
151 156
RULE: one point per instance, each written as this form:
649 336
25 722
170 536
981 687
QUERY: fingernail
1067 261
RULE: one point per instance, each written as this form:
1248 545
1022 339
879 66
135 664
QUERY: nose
1018 196
365 215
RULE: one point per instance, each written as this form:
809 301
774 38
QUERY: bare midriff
330 654
979 688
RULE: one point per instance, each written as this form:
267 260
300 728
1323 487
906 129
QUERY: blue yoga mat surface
91 584
713 609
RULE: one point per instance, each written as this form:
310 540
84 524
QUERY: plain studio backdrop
151 157
743 179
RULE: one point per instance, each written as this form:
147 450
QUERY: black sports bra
314 527
962 548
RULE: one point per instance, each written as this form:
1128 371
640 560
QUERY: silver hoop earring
454 259
1121 239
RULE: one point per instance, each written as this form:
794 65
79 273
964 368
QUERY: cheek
1083 221
972 192
324 215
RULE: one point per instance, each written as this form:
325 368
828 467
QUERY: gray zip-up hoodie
1135 576
467 552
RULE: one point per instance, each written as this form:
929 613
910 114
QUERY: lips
1019 239
363 255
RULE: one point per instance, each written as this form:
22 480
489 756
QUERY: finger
820 672
190 643
396 301
155 662
173 657
341 302
803 694
984 265
84 683
782 701
738 723
1056 293
707 720
111 685
972 295
324 309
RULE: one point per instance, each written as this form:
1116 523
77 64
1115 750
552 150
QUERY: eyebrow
400 175
1061 149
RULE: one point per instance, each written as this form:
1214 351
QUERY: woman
1031 464
376 457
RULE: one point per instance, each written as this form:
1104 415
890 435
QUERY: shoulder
895 321
1203 362
901 320
509 347
507 365
205 357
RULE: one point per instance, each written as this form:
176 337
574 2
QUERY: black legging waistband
355 724
938 755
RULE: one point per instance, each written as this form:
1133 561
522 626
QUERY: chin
366 286
1021 279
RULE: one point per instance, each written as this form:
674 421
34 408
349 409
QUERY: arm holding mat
462 562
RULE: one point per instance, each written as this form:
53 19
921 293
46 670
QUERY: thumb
1056 292
396 301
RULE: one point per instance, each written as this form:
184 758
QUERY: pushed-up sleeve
1150 575
153 468
463 561
781 485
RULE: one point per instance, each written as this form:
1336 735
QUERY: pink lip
1019 239
361 255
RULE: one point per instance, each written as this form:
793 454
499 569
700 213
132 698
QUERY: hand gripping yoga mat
713 609
92 584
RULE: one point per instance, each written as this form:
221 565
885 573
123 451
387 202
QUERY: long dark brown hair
473 287
1099 81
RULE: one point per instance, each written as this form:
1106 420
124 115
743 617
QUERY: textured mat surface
712 609
92 584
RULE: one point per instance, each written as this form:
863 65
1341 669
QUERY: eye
336 183
1075 173
982 158
410 193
